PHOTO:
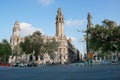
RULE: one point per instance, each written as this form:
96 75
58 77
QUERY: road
61 72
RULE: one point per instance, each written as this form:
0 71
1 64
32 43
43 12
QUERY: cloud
74 22
28 29
46 2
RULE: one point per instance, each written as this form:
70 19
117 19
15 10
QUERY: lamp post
87 42
84 38
84 45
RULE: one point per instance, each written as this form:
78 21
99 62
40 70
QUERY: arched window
30 58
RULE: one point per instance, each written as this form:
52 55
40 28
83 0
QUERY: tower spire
89 18
16 29
59 23
15 38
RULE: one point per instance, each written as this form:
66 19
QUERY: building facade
62 54
16 38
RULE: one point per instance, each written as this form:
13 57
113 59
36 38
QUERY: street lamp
87 42
85 37
88 50
84 45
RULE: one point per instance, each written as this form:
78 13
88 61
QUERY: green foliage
105 37
34 43
17 50
5 50
51 46
26 46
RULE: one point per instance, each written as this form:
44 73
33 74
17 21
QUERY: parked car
25 64
19 65
16 65
105 62
32 65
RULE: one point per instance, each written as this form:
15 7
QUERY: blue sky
40 15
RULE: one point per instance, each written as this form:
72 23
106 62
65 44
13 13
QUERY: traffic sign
90 55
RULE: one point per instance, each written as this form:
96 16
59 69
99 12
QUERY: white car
105 62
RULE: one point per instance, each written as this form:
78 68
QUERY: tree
51 47
32 43
35 43
17 50
26 46
5 50
105 37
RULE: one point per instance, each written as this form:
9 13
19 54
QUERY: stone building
16 38
61 38
65 50
89 19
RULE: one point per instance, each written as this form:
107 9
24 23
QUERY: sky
40 15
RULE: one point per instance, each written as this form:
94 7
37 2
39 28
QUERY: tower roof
59 11
89 18
59 17
16 25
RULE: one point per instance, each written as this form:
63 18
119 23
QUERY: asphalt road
61 72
